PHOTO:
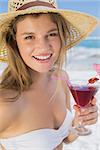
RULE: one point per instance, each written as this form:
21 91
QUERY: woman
34 108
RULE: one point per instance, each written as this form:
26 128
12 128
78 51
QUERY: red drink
83 94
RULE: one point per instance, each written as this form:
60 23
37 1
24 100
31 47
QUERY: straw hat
80 24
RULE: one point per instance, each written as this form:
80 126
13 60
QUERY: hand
87 115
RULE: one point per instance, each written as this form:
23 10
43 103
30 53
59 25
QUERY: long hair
17 75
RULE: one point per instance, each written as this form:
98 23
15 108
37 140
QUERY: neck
40 79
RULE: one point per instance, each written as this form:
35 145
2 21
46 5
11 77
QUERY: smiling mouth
42 58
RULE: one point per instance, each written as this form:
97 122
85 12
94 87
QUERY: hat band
35 3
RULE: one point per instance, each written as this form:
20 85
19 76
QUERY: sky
91 7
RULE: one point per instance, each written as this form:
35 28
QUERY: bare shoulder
64 79
64 74
61 74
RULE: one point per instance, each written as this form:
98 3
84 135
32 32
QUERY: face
39 42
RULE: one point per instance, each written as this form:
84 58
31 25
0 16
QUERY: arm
6 111
2 118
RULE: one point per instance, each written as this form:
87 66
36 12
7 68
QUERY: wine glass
82 94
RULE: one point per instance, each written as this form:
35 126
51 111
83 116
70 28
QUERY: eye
53 34
29 37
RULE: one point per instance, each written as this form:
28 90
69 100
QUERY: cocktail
83 94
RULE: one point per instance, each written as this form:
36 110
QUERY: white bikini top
40 139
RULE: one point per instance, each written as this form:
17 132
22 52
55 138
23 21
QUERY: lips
42 57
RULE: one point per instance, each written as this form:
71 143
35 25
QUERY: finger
91 116
90 122
76 108
93 101
90 109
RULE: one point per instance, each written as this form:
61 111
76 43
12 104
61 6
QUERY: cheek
57 45
24 49
20 45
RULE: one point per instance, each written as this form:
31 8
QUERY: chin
43 71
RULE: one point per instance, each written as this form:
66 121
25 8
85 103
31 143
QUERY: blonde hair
17 75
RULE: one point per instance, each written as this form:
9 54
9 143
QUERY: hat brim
81 24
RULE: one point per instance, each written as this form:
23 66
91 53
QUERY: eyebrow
32 33
55 29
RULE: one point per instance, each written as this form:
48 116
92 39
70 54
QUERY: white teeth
42 57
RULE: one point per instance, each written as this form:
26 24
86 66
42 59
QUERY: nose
42 44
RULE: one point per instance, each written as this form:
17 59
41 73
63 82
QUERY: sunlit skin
34 39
